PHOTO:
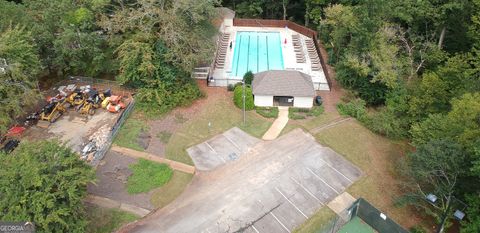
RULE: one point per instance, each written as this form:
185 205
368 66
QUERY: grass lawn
171 190
164 136
147 175
130 130
222 115
319 221
104 220
376 156
310 123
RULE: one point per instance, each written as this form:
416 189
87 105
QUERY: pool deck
223 78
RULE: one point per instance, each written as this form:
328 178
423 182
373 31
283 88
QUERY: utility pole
243 87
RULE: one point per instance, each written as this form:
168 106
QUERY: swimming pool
256 52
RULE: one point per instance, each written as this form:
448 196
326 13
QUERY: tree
45 183
435 167
248 78
19 64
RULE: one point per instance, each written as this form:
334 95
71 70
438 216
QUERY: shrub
356 108
248 78
159 100
315 111
388 124
238 98
293 113
230 87
268 112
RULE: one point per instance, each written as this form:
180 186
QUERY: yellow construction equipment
52 111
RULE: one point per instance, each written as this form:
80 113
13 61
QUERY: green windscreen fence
374 218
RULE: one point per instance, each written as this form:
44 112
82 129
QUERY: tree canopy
45 183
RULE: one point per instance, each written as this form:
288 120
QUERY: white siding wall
303 102
263 101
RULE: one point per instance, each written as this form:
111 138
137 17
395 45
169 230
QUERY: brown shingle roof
283 83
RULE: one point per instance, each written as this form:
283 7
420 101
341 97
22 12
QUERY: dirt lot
112 175
73 128
273 187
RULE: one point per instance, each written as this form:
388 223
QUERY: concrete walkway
144 155
277 125
109 203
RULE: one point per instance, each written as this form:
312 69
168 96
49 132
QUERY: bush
268 112
293 113
356 108
230 87
160 100
238 98
147 175
303 113
388 124
248 78
44 182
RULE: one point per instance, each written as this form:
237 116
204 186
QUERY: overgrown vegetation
304 113
267 112
415 73
147 175
238 97
32 180
151 46
103 220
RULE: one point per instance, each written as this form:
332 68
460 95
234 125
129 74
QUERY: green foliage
17 79
355 108
417 229
472 225
147 175
267 112
238 98
45 183
303 113
248 78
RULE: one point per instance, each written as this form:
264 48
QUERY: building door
283 100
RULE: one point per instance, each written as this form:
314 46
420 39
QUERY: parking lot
273 187
221 149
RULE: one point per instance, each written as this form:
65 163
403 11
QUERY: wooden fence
291 25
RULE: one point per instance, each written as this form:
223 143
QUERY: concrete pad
341 203
277 125
273 187
221 149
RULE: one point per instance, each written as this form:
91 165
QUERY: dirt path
332 97
138 154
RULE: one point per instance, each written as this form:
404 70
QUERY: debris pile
95 142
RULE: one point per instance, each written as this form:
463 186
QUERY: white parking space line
235 144
306 190
211 148
337 171
304 215
284 227
322 180
255 229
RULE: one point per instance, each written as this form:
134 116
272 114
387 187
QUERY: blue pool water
256 52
